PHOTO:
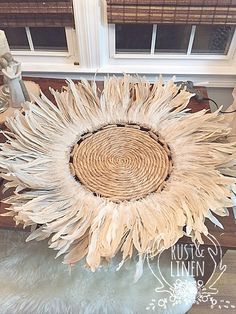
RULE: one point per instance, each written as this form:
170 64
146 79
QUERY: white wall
222 96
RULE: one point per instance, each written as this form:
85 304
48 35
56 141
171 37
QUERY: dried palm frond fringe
130 170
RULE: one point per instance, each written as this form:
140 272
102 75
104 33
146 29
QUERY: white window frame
211 70
40 59
178 56
94 42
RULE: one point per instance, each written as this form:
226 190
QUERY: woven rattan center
122 162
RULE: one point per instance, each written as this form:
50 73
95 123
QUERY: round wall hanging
129 170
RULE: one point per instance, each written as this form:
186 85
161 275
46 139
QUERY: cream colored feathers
79 223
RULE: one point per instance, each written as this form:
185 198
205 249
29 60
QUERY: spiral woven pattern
122 163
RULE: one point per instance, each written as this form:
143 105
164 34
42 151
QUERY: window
93 37
133 38
37 38
43 49
213 39
172 39
17 38
40 33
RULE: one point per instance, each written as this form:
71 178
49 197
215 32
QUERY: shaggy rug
33 282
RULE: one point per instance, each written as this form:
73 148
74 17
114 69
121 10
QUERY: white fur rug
33 282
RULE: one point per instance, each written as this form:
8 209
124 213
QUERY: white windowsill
220 77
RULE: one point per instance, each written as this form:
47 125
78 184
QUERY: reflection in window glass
133 38
212 39
172 38
49 38
17 39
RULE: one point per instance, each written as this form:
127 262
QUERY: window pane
49 38
16 37
212 39
172 38
133 38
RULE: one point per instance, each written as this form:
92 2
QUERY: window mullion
154 35
191 39
29 37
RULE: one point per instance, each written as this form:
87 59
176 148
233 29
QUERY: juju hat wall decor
128 171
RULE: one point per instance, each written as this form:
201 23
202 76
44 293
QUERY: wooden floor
227 290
